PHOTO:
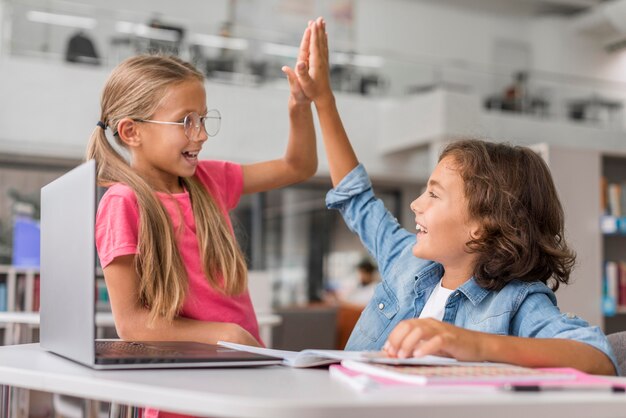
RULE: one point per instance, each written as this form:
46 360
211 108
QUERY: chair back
618 344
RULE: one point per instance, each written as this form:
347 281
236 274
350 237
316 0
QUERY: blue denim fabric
520 308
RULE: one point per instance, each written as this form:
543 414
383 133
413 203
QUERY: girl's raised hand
421 337
297 93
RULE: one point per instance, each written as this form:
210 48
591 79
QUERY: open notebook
312 357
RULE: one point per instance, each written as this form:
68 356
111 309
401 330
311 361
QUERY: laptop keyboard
125 348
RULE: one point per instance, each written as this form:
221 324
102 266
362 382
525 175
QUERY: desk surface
280 392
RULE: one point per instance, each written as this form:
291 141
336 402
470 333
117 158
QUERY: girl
473 284
171 263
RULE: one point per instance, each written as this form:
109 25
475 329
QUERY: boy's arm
300 160
547 352
420 337
540 336
316 85
131 319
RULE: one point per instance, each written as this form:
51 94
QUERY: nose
202 135
414 206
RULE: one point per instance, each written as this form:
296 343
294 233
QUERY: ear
128 132
475 229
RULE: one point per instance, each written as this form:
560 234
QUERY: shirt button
570 315
381 306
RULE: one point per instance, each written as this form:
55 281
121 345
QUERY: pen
564 388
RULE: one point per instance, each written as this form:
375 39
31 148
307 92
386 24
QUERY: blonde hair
134 90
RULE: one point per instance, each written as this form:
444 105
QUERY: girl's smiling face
442 219
165 153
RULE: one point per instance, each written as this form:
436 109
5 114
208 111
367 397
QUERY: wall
559 47
51 109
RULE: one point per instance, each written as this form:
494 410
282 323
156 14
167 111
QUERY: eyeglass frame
202 122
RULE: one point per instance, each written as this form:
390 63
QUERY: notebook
68 300
457 374
315 357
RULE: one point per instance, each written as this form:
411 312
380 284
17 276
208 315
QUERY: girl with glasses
475 281
172 266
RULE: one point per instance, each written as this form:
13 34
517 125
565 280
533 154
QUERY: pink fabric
117 224
117 229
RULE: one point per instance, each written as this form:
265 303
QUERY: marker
565 388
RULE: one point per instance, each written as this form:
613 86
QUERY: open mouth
190 155
421 229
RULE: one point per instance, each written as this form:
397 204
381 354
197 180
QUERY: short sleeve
117 223
224 180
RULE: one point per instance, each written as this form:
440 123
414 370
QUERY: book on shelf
314 357
613 198
614 287
3 297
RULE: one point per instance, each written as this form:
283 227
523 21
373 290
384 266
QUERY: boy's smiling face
442 219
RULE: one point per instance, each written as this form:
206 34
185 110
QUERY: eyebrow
188 111
435 183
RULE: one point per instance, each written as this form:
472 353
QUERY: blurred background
409 76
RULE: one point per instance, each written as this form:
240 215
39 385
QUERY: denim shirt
520 309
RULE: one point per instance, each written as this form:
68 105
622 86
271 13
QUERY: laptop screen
68 210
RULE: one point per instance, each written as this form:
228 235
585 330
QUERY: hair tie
102 125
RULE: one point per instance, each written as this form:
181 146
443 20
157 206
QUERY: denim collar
473 292
430 276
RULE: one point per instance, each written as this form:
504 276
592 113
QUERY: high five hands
310 80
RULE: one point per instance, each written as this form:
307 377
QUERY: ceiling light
61 20
219 41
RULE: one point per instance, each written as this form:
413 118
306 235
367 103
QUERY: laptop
68 291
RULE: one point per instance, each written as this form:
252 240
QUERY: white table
279 392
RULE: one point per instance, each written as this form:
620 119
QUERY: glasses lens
212 122
192 126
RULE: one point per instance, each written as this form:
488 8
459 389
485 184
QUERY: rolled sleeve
354 183
366 215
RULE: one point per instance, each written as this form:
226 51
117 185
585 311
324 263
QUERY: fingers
413 337
397 336
302 71
295 87
303 54
291 75
320 32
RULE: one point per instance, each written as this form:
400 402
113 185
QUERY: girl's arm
419 337
316 85
131 318
300 160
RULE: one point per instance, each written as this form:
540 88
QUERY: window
291 233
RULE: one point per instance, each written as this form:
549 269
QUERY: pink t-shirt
117 224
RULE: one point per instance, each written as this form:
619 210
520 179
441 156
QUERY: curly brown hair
510 191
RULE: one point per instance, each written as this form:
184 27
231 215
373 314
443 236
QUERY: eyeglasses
193 124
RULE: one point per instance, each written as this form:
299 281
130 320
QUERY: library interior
409 77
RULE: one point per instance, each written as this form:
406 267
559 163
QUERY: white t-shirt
436 304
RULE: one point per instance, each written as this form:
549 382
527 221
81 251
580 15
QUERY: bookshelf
19 293
21 288
613 228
